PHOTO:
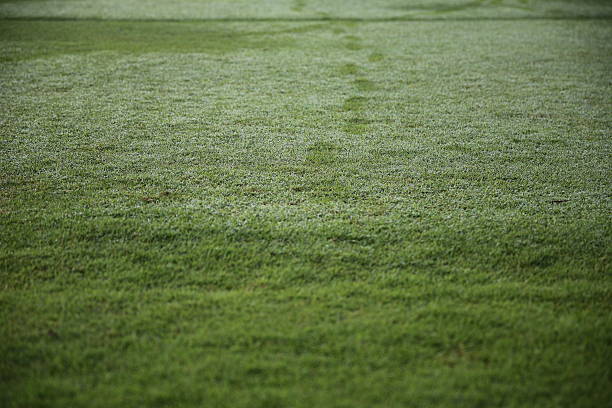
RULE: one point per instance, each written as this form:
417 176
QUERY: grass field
386 203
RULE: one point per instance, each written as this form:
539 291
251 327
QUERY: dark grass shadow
442 7
320 19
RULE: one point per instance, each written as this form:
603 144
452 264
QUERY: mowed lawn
242 204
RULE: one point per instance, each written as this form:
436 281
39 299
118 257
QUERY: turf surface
305 203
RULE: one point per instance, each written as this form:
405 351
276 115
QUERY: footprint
349 69
353 46
298 5
364 84
357 126
353 43
322 153
376 57
354 103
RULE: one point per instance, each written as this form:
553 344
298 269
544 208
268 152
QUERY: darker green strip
312 19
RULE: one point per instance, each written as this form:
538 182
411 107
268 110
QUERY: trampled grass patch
242 204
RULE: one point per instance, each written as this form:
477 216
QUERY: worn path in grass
265 212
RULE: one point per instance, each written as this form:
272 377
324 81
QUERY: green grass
305 204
